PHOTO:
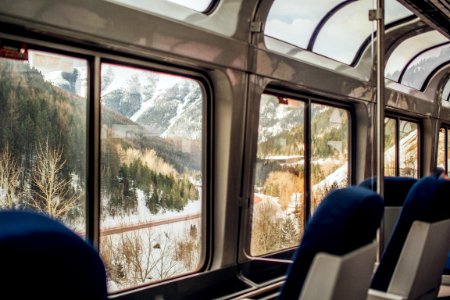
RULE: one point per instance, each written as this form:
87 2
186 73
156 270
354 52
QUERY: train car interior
225 149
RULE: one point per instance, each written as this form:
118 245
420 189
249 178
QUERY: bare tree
137 254
188 249
10 172
52 194
266 229
166 266
137 257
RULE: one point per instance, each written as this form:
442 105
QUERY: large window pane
294 21
345 32
345 24
198 5
390 147
43 136
159 5
423 65
278 200
404 52
329 151
151 175
441 148
409 149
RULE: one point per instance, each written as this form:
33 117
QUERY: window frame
446 127
207 163
398 118
308 99
94 56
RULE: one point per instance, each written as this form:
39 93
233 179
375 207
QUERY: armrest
379 295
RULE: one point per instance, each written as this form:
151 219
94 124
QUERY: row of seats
335 258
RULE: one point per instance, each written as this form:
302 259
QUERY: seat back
417 274
427 201
346 220
446 275
334 277
396 190
41 258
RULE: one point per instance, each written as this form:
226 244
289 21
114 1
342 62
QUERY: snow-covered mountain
164 105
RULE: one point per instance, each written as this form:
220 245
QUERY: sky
153 5
294 21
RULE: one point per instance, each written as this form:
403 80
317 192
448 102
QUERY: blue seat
347 219
447 266
396 190
428 202
40 258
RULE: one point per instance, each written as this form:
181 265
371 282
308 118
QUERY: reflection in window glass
43 136
151 175
423 65
390 148
329 151
404 52
278 200
408 150
441 149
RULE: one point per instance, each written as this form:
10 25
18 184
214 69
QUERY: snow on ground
143 214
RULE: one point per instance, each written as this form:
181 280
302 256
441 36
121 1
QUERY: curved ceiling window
333 28
423 65
446 92
342 35
295 21
408 49
198 5
162 6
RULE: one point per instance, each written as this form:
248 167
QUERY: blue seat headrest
395 188
42 258
447 266
346 219
427 201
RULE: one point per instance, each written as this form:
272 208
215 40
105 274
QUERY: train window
406 51
317 27
423 65
401 153
198 5
278 201
448 151
151 175
329 150
442 151
278 211
390 147
286 16
444 148
409 150
158 5
445 96
43 136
